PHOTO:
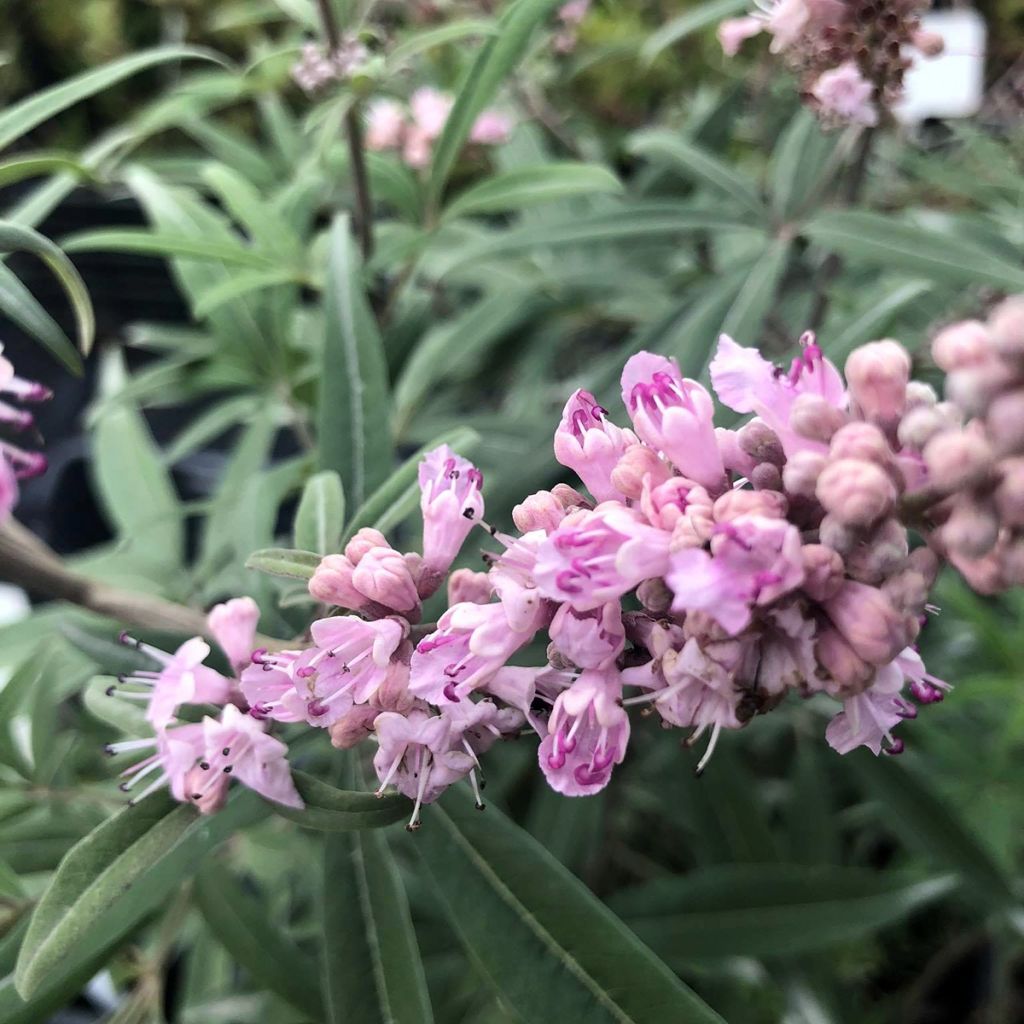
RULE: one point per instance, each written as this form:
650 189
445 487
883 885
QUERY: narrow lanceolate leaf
496 60
329 809
372 971
520 187
321 514
31 165
15 238
700 166
236 918
552 950
873 320
454 31
937 255
117 875
769 909
694 20
24 116
926 821
798 164
354 433
154 243
401 486
19 305
286 562
756 297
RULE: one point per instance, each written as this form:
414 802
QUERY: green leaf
210 424
875 318
699 166
155 243
329 809
521 187
551 948
502 52
402 482
798 162
240 284
757 295
23 682
286 562
135 487
769 909
321 514
15 238
31 165
127 717
882 241
926 821
18 303
371 968
454 31
269 231
24 116
273 962
353 409
693 20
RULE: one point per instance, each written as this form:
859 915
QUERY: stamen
712 743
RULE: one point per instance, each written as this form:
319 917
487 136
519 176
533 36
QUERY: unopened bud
363 540
850 674
881 554
749 503
654 596
971 529
931 44
466 586
736 460
919 393
1005 422
766 477
1006 324
920 425
974 388
816 418
538 511
837 535
869 623
860 440
332 583
393 693
958 459
823 571
638 461
383 576
856 492
801 472
907 591
760 442
963 344
353 727
569 497
925 562
877 376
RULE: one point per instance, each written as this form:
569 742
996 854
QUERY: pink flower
385 124
589 444
597 556
786 21
590 639
430 109
844 93
268 687
233 625
733 32
16 464
8 489
417 148
754 560
512 577
674 416
587 735
238 746
175 752
452 504
491 128
573 12
678 501
746 382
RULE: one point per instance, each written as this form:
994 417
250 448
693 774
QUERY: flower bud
815 418
931 44
958 459
1013 563
393 693
383 576
736 460
974 388
1006 324
1005 421
760 442
920 425
654 596
869 623
837 535
1009 495
363 540
353 727
569 497
960 345
464 585
908 590
823 571
971 529
856 492
877 376
538 511
919 393
983 575
749 503
766 477
801 472
860 440
332 583
638 461
849 673
881 554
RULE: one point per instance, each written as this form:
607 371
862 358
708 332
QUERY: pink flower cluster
701 574
16 463
413 131
851 55
570 16
316 68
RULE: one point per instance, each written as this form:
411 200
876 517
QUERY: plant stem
833 262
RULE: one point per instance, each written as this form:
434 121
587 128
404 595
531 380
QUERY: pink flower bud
735 458
908 590
837 535
570 497
332 583
958 459
674 500
383 576
464 585
742 503
823 571
654 596
761 443
1006 324
766 477
971 529
363 540
588 443
1009 495
919 393
860 440
801 472
920 425
868 622
849 673
539 511
1005 421
638 463
881 553
815 418
974 388
233 625
590 639
353 727
963 344
984 575
877 376
856 492
733 31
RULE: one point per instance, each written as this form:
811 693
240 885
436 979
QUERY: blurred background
787 884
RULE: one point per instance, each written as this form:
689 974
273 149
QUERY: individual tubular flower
233 625
590 639
587 734
16 463
674 416
844 94
452 504
589 444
